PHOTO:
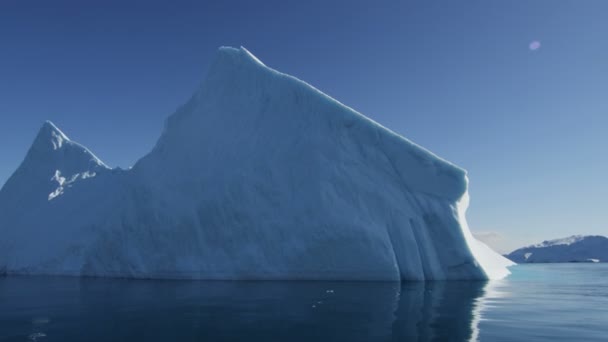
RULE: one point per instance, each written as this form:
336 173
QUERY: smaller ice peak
53 164
49 127
52 141
49 136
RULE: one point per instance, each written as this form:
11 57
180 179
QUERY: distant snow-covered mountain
577 248
258 176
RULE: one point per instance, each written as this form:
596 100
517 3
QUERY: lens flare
535 45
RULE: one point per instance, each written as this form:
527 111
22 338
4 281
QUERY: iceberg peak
230 63
52 153
52 143
50 136
237 55
52 164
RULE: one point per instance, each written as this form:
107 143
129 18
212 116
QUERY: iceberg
258 176
576 248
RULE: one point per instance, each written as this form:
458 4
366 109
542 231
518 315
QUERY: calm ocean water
558 302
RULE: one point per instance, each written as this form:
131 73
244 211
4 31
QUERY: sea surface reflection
70 309
550 302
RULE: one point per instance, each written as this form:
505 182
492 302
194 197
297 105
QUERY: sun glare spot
535 45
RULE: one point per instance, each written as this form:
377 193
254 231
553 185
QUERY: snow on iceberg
258 176
576 248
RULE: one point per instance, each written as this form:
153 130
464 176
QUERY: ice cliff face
258 176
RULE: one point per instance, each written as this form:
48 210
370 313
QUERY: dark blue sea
543 302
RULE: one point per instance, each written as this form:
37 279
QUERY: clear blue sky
457 77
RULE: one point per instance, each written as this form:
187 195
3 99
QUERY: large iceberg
258 176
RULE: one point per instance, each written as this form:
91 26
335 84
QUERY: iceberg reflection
111 309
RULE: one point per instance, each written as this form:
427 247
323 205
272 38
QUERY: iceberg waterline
258 176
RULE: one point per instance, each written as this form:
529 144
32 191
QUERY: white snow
63 183
563 241
576 248
258 176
